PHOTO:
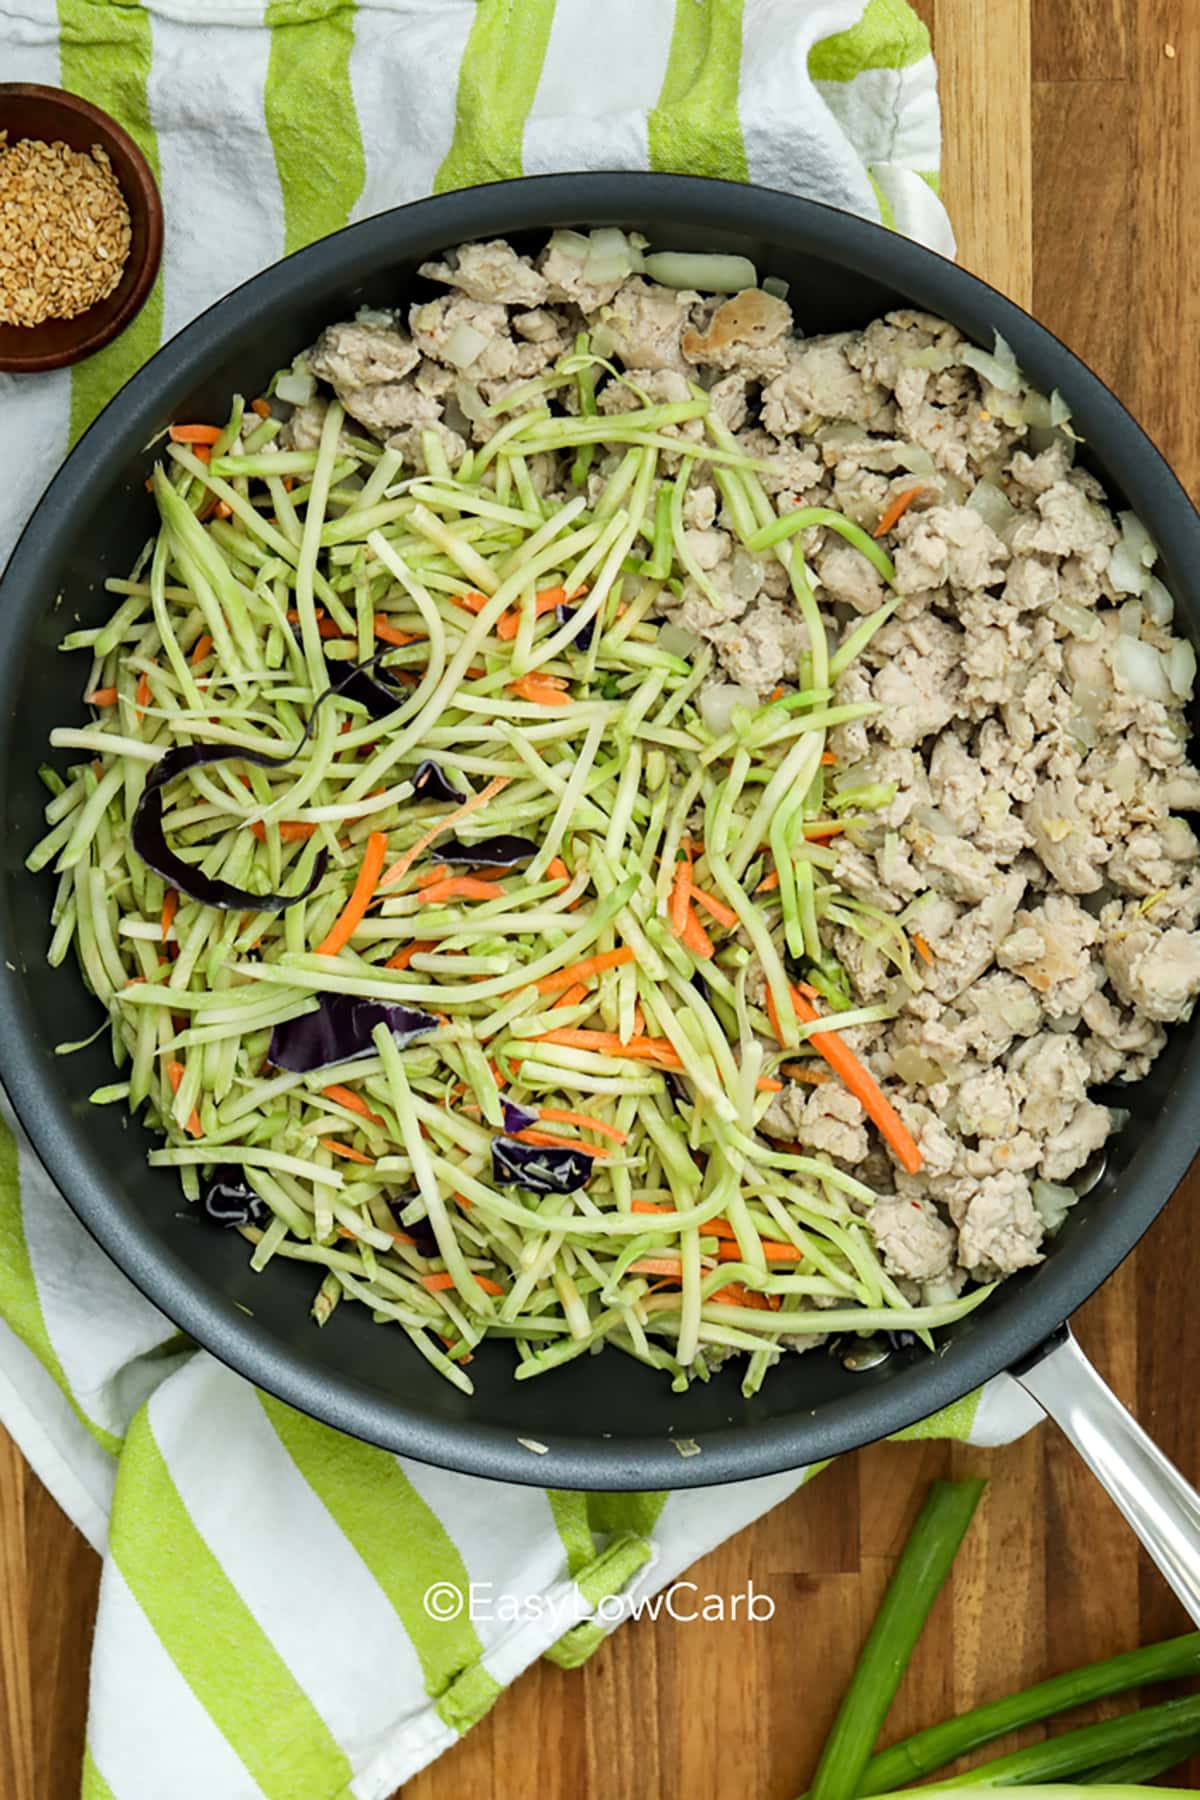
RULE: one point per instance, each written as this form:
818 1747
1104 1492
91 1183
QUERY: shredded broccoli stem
566 988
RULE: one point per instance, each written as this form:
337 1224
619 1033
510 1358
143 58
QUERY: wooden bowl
52 115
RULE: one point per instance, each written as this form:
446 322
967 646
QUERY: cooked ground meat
1029 756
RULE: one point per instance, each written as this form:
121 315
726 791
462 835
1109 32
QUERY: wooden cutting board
1073 176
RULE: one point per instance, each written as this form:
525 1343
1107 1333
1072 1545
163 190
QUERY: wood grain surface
1072 171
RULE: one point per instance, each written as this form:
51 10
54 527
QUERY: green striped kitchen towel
281 1610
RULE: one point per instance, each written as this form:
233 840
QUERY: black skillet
606 1422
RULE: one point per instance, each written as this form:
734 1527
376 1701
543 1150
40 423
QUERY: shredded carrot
572 997
583 971
460 887
175 1073
530 1136
102 697
348 1151
817 830
559 1116
729 1252
716 909
438 1284
388 634
508 624
201 648
222 510
403 957
804 1072
194 434
261 407
142 696
681 883
328 628
344 1096
857 1077
401 868
738 1294
292 831
896 509
170 907
828 759
921 947
543 690
656 1265
695 938
769 883
556 870
203 453
343 926
608 1043
472 602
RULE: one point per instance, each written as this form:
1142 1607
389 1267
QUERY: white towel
284 1611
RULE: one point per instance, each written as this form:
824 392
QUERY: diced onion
776 287
1036 411
1126 571
1140 667
993 506
471 401
718 704
916 459
1000 368
1060 412
915 1068
1053 1202
1131 619
1076 619
372 316
296 390
571 244
1181 669
676 640
1140 543
610 256
707 274
464 344
930 358
1157 602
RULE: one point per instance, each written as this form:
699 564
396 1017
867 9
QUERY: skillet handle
1163 1509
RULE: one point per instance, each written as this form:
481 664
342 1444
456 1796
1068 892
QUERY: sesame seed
65 232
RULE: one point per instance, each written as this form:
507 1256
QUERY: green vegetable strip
924 1565
928 1750
1075 1753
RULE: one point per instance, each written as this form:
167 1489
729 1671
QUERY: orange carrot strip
194 434
201 648
694 937
460 887
769 883
170 907
738 1294
802 1072
582 971
716 909
572 997
556 870
729 1252
261 407
857 1077
681 882
508 624
472 602
828 759
655 1265
368 880
142 696
344 1096
403 957
558 1115
530 1136
442 1280
922 948
203 453
102 697
543 690
896 509
388 633
817 830
348 1151
175 1074
292 831
422 844
608 1043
